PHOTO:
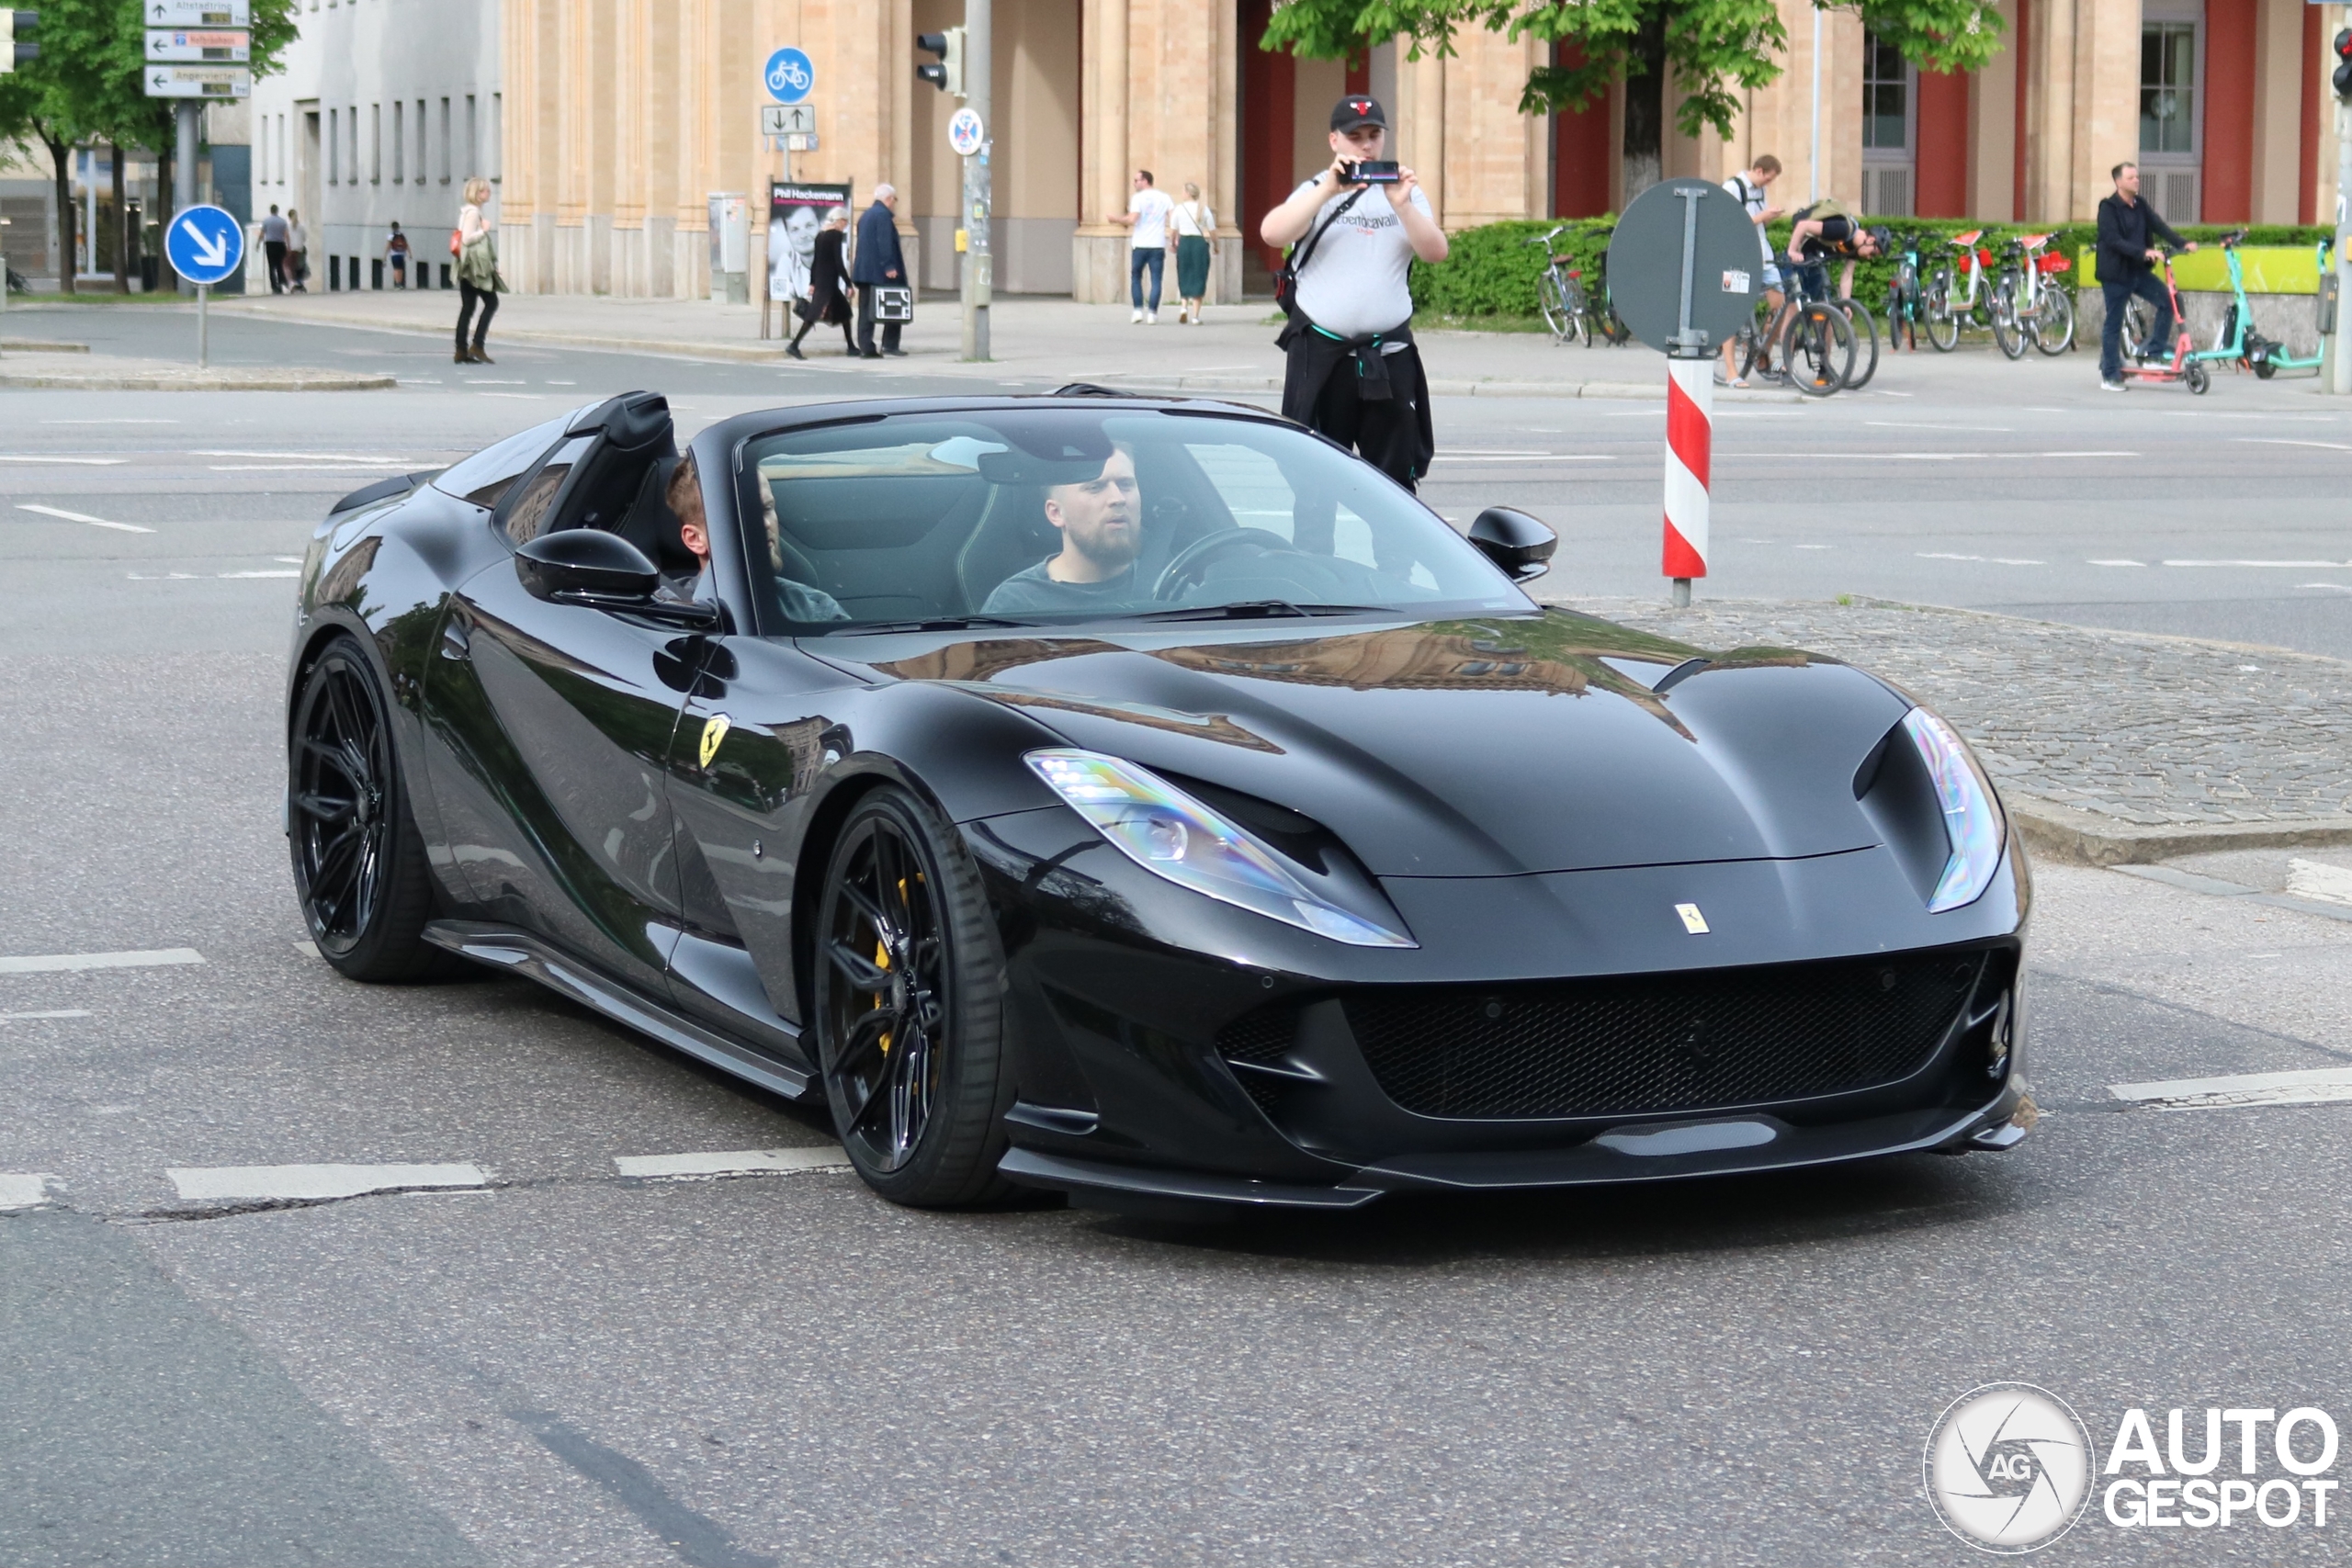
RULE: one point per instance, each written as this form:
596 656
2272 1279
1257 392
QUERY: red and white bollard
1689 436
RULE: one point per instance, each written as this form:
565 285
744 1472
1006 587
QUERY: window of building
473 140
374 144
419 142
335 159
445 141
2169 86
399 142
1889 128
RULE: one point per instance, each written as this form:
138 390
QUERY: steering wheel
1195 557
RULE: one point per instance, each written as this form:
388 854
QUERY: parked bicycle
1570 309
1905 299
1984 304
2039 310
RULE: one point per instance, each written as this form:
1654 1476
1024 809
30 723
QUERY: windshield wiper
938 624
1262 609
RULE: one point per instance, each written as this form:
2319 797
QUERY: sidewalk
2108 748
1032 338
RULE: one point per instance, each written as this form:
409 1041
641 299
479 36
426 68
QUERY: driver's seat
1013 535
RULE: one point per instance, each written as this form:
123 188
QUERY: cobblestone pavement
2116 745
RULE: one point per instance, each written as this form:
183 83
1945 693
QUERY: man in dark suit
878 265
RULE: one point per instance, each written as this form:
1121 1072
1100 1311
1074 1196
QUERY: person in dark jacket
2127 258
878 265
828 298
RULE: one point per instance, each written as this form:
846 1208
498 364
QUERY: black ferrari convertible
1140 798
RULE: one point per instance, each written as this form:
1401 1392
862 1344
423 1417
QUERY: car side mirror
603 571
1515 542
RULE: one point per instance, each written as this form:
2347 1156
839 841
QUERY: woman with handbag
828 298
475 244
1194 226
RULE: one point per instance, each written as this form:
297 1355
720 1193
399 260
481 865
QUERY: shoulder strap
1306 249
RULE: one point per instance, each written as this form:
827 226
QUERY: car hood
1488 747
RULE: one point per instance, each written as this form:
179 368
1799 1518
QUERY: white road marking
83 462
52 1012
2293 565
2284 441
110 421
49 963
2086 454
298 1182
473 382
1993 561
24 1190
2118 563
290 560
1524 457
199 576
2339 587
2320 1086
61 512
1911 457
1914 424
307 949
305 457
2310 879
526 397
736 1162
300 467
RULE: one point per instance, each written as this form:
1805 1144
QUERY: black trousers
467 296
1385 431
866 320
276 250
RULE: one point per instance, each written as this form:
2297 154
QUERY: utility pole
183 169
979 196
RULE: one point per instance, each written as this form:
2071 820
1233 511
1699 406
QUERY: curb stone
193 380
2083 837
35 346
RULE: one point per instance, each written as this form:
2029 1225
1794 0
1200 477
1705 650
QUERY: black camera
1372 172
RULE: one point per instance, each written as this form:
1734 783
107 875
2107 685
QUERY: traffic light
15 47
947 73
2343 63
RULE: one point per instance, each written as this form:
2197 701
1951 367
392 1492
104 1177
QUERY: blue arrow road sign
790 76
205 244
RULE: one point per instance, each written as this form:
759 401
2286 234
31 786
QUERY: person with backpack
475 244
1748 188
1822 231
1351 371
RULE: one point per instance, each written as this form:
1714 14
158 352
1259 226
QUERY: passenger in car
1102 527
799 601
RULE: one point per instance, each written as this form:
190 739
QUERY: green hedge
1492 270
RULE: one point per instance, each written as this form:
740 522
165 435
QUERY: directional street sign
787 120
205 244
790 76
199 82
227 47
196 13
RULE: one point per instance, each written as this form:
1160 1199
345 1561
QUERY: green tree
1714 47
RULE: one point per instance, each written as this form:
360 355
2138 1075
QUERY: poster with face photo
796 212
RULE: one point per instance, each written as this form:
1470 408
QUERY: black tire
1943 327
1817 348
2139 326
2009 332
1858 316
359 865
2054 321
2198 378
925 1129
1560 312
2263 369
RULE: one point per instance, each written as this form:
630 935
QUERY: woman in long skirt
1194 226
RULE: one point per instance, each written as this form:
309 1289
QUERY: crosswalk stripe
735 1162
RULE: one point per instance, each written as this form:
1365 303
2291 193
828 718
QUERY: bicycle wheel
2053 324
1943 327
1858 316
1755 355
2139 326
1551 299
1818 349
2009 332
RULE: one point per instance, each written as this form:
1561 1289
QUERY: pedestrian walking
1352 372
298 245
828 297
1147 223
1194 226
396 252
878 265
1749 187
273 248
2127 266
477 281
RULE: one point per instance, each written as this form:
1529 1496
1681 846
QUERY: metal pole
203 328
2338 367
183 170
1814 162
978 203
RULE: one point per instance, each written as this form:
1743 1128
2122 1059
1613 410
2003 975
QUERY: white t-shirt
1753 198
1191 219
1151 206
1355 283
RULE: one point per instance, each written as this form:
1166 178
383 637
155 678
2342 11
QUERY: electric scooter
2183 365
2269 357
2235 340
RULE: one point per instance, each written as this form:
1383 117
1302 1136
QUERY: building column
1099 248
1492 163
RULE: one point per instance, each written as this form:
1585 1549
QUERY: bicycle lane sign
790 76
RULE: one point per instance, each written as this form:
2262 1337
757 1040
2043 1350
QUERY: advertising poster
797 211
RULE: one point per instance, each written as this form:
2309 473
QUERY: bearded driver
1100 522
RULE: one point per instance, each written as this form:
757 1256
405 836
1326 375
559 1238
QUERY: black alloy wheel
909 1010
359 864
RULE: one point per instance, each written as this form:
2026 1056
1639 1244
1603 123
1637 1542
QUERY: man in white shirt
1146 220
1352 372
1750 188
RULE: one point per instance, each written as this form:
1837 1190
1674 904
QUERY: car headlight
1973 823
1170 834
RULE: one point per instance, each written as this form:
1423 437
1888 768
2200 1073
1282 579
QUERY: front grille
1660 1042
1254 1037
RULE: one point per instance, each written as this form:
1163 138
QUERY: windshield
1047 516
483 478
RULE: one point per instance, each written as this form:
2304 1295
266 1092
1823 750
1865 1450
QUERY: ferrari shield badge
1692 921
714 731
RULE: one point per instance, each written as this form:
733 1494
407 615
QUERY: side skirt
526 955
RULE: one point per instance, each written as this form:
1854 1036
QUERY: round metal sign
964 132
205 244
789 74
1646 265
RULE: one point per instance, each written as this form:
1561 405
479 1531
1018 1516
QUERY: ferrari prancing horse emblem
1692 921
714 731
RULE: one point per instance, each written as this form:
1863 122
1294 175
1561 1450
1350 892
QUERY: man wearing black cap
1353 372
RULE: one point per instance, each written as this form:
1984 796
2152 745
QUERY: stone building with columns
621 117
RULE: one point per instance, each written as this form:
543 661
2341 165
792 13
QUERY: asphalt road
569 1365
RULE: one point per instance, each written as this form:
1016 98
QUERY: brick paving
2147 733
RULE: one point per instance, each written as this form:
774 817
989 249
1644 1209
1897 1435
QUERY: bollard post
1689 439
